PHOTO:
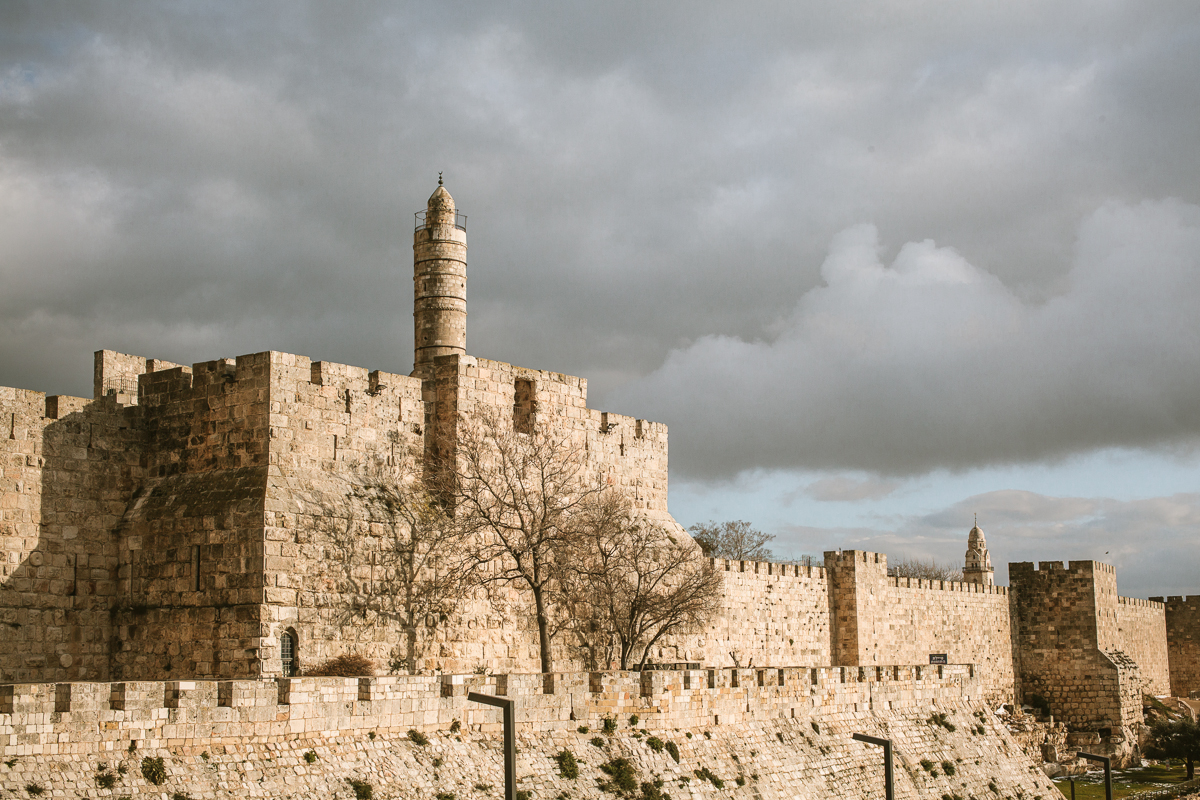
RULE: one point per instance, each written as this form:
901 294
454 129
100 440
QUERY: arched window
289 653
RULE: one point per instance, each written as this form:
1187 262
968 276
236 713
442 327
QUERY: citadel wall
66 466
769 614
877 618
1068 645
778 732
1183 643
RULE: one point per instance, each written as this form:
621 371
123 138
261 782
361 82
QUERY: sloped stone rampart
249 738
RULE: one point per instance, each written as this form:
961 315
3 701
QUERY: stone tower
978 568
439 282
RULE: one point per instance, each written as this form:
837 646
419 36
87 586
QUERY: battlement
1140 603
767 568
1178 599
157 714
1076 567
948 586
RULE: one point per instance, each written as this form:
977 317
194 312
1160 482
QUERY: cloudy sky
880 266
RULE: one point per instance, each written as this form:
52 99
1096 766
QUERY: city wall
1183 643
763 732
770 614
877 618
1089 654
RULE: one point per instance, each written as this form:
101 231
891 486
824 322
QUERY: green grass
1125 782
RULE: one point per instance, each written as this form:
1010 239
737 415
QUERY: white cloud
931 362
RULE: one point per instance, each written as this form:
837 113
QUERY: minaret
439 282
978 568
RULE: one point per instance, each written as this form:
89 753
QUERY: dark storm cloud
197 180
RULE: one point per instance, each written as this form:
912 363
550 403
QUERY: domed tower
439 282
978 568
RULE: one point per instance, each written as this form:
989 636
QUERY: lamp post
1107 762
886 744
510 740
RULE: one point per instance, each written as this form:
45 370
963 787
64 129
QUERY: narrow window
195 568
288 653
523 406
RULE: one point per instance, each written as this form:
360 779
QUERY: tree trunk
543 624
1191 769
410 637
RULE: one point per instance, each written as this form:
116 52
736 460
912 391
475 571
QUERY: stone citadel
164 537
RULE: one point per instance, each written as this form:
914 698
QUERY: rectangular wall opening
523 406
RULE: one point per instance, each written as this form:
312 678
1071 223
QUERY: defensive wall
178 523
1088 653
760 732
1183 643
877 618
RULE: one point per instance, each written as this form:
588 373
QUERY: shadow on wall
55 603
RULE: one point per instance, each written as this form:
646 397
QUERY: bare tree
926 570
640 582
734 540
399 555
523 495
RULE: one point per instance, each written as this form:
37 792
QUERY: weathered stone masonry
768 733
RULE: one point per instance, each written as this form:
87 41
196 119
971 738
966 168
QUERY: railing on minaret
439 282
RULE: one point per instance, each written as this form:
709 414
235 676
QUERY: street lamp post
510 740
1107 762
886 744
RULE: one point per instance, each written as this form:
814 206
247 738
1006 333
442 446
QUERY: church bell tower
439 282
978 568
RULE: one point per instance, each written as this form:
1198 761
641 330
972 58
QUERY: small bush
633 720
740 780
362 789
483 787
181 796
310 756
455 726
656 744
948 767
121 769
610 725
437 762
12 762
940 720
34 789
816 728
992 785
154 770
418 738
582 729
707 734
348 665
371 736
673 751
598 742
106 780
705 774
445 796
566 764
524 795
622 774
132 745
688 734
